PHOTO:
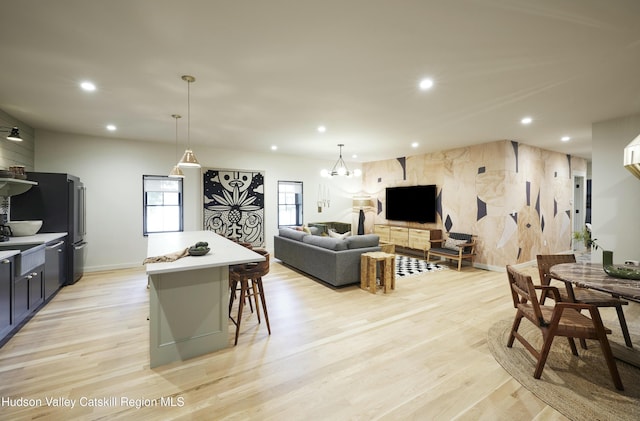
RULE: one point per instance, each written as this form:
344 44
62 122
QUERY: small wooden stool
368 267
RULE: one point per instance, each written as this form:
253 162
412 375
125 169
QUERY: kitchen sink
31 256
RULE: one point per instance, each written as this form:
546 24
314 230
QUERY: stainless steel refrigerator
59 201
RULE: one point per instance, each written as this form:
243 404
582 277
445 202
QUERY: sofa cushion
361 241
292 234
335 244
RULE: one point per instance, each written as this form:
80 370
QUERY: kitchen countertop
33 239
223 252
8 253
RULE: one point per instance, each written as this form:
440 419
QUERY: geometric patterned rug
407 266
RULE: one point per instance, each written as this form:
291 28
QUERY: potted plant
585 237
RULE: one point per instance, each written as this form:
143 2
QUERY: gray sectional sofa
332 260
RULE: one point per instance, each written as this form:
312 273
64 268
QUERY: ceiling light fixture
14 133
426 84
565 138
526 120
322 129
188 159
88 86
340 168
176 172
111 127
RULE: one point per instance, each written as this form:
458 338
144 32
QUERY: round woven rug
578 387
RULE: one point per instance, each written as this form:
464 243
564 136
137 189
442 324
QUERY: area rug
407 266
578 387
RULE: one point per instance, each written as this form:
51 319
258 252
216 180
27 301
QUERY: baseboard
112 267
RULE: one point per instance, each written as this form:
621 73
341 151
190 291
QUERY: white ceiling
269 72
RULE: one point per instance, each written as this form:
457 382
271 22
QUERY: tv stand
411 238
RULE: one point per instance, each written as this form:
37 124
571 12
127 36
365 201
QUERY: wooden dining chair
563 319
581 295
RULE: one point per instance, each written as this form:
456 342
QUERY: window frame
299 207
146 206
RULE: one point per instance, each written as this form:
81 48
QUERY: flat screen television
411 203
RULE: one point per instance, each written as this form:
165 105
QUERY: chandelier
340 168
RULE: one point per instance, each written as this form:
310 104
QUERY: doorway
579 207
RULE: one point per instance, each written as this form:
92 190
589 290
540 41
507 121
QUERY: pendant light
176 172
188 159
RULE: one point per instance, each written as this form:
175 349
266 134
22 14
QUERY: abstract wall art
234 204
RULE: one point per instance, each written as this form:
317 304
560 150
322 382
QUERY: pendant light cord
176 117
188 114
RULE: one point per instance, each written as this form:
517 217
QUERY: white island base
189 298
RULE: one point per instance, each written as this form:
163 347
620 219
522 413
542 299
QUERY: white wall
112 171
615 191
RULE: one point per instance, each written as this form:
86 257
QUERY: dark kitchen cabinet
28 293
36 288
54 267
6 281
20 298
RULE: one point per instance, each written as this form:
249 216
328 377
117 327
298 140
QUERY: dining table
593 276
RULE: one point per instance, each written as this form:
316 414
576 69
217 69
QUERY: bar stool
247 279
233 285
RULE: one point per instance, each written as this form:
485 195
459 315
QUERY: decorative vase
607 258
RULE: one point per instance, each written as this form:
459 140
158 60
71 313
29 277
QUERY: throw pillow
334 234
452 244
306 229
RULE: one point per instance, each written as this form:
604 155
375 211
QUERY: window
289 203
162 204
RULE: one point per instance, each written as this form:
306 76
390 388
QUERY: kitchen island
189 298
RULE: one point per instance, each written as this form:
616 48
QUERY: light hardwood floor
417 353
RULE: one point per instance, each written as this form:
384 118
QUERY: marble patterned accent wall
515 198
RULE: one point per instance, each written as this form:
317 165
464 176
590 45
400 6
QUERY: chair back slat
545 261
523 291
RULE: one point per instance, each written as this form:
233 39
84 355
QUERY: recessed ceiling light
322 129
274 148
88 86
565 138
354 156
111 127
426 84
414 145
526 120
